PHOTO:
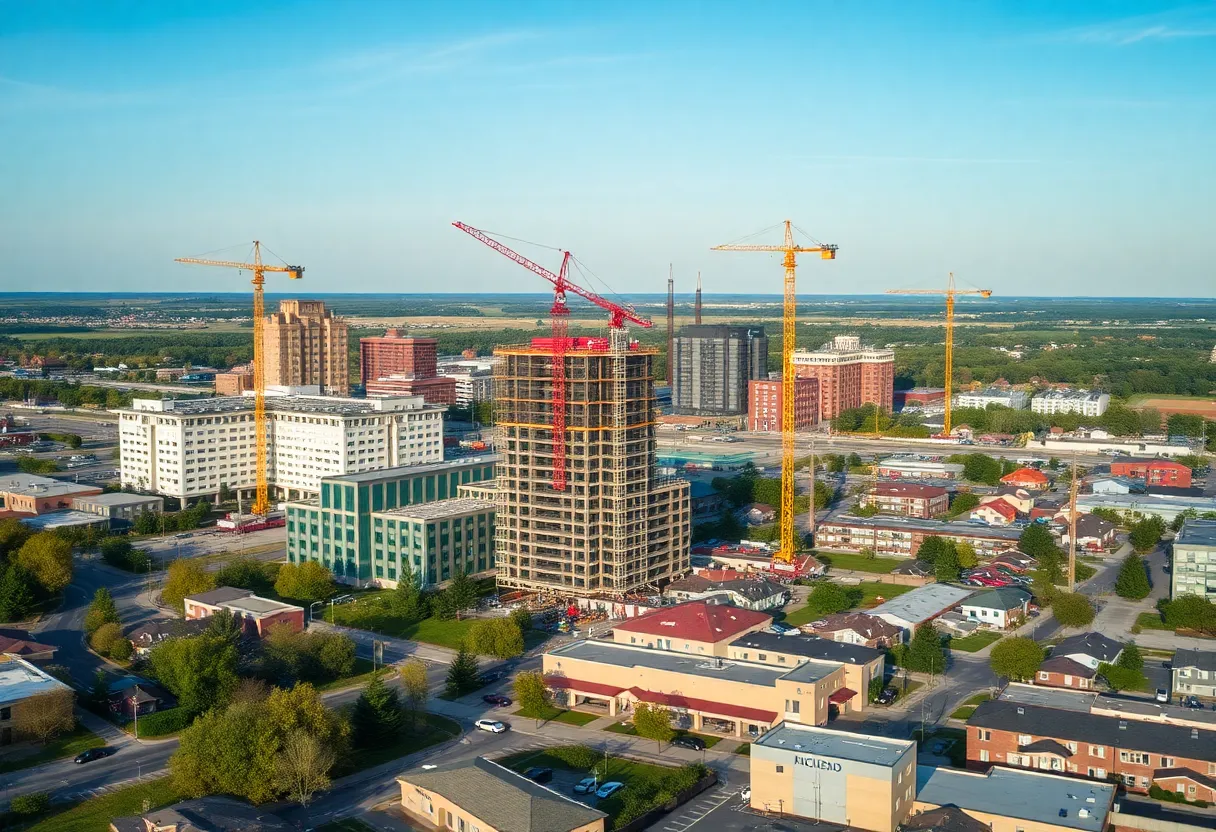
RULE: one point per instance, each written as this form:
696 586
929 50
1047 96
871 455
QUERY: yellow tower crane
261 502
789 314
950 292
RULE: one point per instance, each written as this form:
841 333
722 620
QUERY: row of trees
1018 658
155 522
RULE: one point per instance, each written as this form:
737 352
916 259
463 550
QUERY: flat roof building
861 664
1166 507
1002 396
21 682
1194 560
920 605
711 367
913 468
189 449
909 499
255 614
27 495
305 344
902 536
119 506
1010 799
1082 402
849 375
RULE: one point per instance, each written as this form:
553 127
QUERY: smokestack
697 311
671 321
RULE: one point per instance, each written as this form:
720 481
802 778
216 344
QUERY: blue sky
1035 148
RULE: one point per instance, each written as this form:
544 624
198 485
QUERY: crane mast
559 315
261 502
788 320
950 292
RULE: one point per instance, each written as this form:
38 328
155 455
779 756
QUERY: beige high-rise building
307 345
617 527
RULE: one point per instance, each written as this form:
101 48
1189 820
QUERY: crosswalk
85 794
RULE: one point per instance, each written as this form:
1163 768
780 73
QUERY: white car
745 796
491 725
609 789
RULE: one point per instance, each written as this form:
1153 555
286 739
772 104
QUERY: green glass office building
367 527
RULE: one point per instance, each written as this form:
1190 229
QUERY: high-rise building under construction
617 527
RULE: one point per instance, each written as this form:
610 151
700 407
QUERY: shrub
165 722
30 804
576 756
105 638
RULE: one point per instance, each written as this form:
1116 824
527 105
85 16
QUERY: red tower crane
559 315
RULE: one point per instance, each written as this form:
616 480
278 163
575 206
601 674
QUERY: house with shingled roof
695 627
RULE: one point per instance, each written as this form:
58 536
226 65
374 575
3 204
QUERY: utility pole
1072 527
812 487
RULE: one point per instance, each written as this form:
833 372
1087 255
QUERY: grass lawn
844 560
1085 572
437 729
66 745
628 729
370 612
866 596
1150 621
95 814
360 675
552 714
744 749
965 710
976 641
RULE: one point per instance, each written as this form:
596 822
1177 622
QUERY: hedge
164 722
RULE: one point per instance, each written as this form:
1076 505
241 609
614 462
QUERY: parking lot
722 809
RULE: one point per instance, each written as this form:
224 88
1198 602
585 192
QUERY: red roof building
1153 470
1030 478
698 623
995 513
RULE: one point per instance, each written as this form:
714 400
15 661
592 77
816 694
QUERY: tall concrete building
394 354
305 346
849 375
618 526
712 365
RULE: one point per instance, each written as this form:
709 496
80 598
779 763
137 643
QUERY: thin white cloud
935 160
1179 24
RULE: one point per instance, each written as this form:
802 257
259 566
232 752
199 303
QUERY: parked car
93 754
1190 702
745 796
491 677
887 696
1163 695
609 789
688 741
539 775
587 785
491 725
781 629
496 700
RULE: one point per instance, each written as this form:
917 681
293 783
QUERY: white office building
1013 399
1194 567
189 449
1082 402
474 378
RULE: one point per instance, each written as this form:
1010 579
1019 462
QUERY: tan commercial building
306 346
28 495
481 796
710 695
617 526
873 783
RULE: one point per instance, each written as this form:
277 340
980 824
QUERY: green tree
415 688
1189 612
1036 541
104 638
102 610
302 766
967 559
185 577
228 751
653 722
946 567
876 688
460 593
933 547
1132 581
979 467
1016 658
17 596
1146 533
1130 657
407 601
13 534
305 582
963 502
498 637
522 617
827 598
464 675
225 625
99 693
377 717
244 573
531 694
49 559
925 653
122 650
1072 609
199 670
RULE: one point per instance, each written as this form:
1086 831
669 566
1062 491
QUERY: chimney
671 321
697 308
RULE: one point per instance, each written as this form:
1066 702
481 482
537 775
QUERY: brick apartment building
1153 470
764 402
902 536
910 499
393 364
306 345
849 375
256 615
1066 740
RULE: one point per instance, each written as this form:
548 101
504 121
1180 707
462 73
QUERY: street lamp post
135 710
310 609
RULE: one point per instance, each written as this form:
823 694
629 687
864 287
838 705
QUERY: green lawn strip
974 642
1150 621
622 728
1085 571
744 749
66 745
965 710
858 563
370 612
627 728
436 729
360 675
552 714
870 592
95 814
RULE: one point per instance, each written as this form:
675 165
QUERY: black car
887 696
539 775
491 677
495 699
686 741
93 754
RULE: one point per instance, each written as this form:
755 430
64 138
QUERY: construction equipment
950 292
789 314
560 315
261 502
